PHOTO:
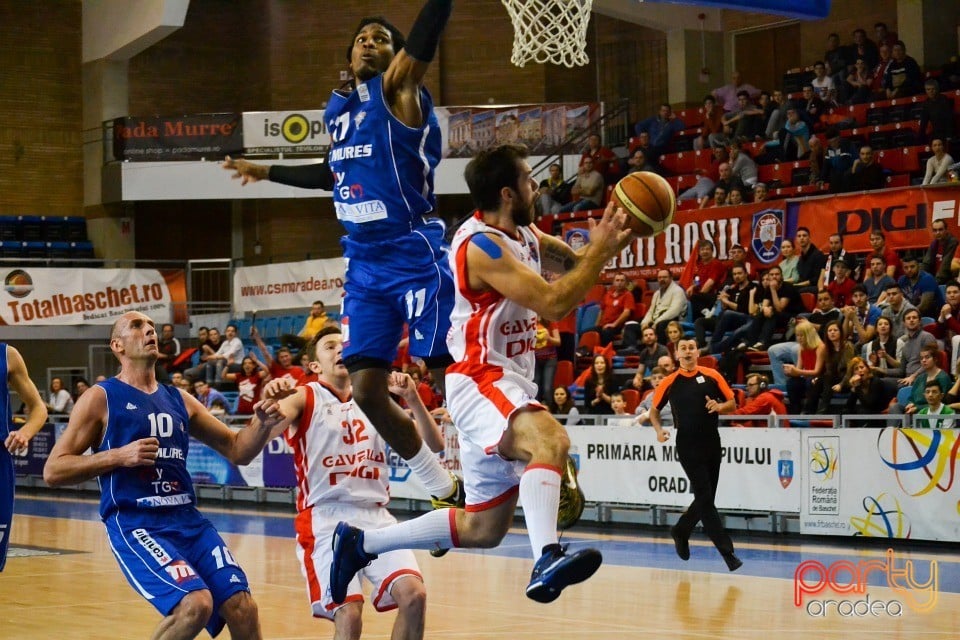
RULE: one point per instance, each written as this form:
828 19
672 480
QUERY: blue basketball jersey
133 415
383 168
7 475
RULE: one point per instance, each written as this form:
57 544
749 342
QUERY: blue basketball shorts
392 282
165 556
7 482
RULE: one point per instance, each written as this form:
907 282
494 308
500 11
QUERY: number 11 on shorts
415 302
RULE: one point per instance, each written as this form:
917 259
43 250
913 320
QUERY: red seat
679 163
691 117
563 377
701 160
809 300
898 180
707 361
595 294
632 398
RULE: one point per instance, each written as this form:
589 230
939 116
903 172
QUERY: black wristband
425 32
305 176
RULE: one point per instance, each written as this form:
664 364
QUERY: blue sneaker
555 570
348 558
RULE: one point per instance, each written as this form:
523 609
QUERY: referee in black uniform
697 395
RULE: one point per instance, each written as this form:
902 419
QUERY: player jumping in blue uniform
14 376
140 432
385 145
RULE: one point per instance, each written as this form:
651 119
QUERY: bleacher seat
54 228
596 293
632 398
233 398
34 249
679 163
11 249
31 228
288 326
59 250
563 376
82 250
587 317
76 229
8 228
269 328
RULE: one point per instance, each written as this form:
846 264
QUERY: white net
549 31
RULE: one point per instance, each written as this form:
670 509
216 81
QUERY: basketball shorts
481 409
392 282
165 556
7 482
315 527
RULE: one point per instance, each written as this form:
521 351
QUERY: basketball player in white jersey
341 468
509 442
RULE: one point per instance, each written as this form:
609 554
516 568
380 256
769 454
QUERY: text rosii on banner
87 296
904 216
288 285
757 227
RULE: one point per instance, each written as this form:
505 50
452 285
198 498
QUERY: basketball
648 200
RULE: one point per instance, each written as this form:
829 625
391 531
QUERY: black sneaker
555 570
733 562
681 544
348 558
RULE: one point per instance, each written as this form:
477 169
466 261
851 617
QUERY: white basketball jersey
488 331
337 454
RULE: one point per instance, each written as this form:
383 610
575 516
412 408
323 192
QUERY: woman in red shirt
249 381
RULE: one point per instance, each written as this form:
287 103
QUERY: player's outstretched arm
403 385
239 447
67 465
19 380
304 176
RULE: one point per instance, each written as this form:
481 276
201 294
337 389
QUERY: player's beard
522 214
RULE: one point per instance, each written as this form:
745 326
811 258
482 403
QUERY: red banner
904 216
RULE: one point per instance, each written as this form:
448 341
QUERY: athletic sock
428 470
432 530
540 498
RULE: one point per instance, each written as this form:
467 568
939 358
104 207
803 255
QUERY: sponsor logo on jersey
234 579
360 212
131 406
164 501
154 548
180 571
363 92
351 151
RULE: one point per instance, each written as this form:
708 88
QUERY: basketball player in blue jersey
139 431
14 376
385 147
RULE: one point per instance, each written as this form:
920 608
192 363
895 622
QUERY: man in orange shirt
616 308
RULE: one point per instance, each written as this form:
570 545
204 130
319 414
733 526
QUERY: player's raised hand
610 234
268 412
246 171
401 384
278 389
139 453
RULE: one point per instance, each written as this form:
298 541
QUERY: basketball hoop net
549 31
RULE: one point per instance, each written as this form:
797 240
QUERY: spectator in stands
674 335
207 395
667 304
760 400
650 352
643 409
892 265
168 346
316 320
883 35
430 396
775 114
838 157
859 83
779 302
203 337
734 318
712 127
839 354
948 322
742 167
825 312
794 135
920 288
896 308
903 76
860 317
822 83
554 190
811 361
910 346
720 197
59 401
810 261
548 339
811 107
210 342
879 72
836 59
702 278
835 253
599 386
738 256
863 48
841 286
728 94
760 192
928 371
725 182
938 260
279 365
604 160
938 163
868 393
661 128
707 179
80 387
616 307
639 382
866 173
638 161
588 187
619 417
668 363
249 380
928 417
881 352
788 261
745 122
563 405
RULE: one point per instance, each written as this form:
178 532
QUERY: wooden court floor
642 591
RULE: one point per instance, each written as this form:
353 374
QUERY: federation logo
18 283
767 235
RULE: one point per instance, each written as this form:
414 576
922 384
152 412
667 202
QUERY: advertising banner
88 296
30 463
628 466
210 135
288 285
287 132
881 483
